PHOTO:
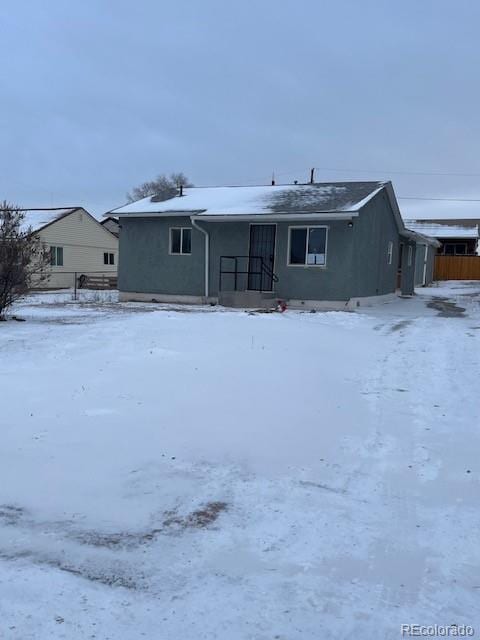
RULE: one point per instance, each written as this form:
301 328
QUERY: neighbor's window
455 248
409 256
108 258
307 246
56 256
181 240
390 252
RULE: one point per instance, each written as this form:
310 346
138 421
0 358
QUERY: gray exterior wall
408 270
147 267
430 264
373 230
356 257
227 239
420 261
419 264
332 282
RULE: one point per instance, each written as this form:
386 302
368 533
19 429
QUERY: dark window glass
105 258
175 239
56 256
186 241
449 249
112 258
317 239
298 242
460 249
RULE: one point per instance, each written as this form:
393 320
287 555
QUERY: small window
455 249
390 252
298 241
181 241
410 256
108 258
56 256
307 246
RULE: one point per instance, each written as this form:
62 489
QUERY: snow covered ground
196 473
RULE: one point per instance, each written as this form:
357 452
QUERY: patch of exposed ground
325 487
173 521
398 326
198 519
446 308
10 514
120 577
109 571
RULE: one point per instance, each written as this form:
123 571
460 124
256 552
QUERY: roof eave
420 237
153 214
278 217
242 217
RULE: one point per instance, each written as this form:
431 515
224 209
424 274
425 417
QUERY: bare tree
24 259
163 187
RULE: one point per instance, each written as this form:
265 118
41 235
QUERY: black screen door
262 248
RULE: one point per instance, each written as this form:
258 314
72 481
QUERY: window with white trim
307 246
180 240
56 256
108 258
390 252
410 256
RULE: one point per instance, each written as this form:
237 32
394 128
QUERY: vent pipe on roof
273 178
312 175
181 190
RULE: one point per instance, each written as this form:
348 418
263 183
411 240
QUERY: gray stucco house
331 245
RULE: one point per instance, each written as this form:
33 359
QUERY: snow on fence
96 280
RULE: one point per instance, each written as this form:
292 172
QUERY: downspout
207 257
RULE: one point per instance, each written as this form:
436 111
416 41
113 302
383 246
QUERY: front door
261 257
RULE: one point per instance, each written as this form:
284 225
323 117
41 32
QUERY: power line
413 173
439 199
424 198
304 171
405 173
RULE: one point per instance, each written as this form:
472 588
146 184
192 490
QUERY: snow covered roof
436 230
36 219
112 225
328 197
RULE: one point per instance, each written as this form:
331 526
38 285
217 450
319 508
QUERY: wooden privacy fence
457 268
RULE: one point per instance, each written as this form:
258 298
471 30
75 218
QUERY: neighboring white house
77 242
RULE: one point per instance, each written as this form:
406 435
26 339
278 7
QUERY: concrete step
247 299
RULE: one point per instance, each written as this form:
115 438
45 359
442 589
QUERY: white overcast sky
98 96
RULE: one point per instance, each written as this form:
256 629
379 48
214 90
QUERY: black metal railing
242 273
